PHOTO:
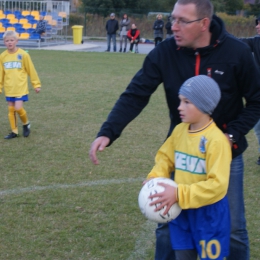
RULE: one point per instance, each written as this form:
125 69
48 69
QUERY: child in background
200 155
15 67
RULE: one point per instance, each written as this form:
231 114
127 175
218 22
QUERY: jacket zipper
197 64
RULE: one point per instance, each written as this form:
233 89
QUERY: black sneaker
11 135
258 161
26 130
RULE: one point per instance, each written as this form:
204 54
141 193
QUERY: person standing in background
124 27
254 44
158 29
168 27
111 27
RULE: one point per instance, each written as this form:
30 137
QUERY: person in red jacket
133 36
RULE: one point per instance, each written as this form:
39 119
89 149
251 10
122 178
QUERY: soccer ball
151 187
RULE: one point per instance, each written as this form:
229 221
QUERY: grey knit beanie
203 92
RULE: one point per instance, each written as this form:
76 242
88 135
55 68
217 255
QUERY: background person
201 190
124 27
158 29
200 46
15 67
41 26
168 27
254 44
111 28
134 37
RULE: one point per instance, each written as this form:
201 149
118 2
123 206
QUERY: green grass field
54 203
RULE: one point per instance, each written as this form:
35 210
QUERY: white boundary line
68 186
145 241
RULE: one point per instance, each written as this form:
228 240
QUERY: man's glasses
182 22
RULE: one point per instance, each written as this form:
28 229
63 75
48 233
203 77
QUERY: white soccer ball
151 187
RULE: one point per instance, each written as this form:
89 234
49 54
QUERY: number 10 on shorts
210 250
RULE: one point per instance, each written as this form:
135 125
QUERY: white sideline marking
67 186
145 241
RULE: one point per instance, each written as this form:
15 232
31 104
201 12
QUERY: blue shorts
206 229
13 99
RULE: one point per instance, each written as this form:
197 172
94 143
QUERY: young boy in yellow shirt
15 67
200 155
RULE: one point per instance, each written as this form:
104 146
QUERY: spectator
158 29
124 27
168 27
111 28
134 37
41 26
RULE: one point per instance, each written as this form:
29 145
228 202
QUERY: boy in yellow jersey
15 67
200 155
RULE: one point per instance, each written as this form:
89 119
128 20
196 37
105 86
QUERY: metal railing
58 11
48 7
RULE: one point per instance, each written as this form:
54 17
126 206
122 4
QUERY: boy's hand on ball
165 199
156 199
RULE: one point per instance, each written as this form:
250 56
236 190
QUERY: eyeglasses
181 22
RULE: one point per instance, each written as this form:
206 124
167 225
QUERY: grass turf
54 203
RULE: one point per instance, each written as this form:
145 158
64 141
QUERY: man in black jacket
200 45
111 27
168 27
254 44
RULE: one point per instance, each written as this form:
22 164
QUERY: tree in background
219 5
254 9
105 7
231 6
92 14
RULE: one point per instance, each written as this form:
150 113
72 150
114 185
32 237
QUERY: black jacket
227 60
168 27
112 26
158 28
254 44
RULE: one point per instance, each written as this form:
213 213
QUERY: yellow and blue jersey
201 161
14 71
